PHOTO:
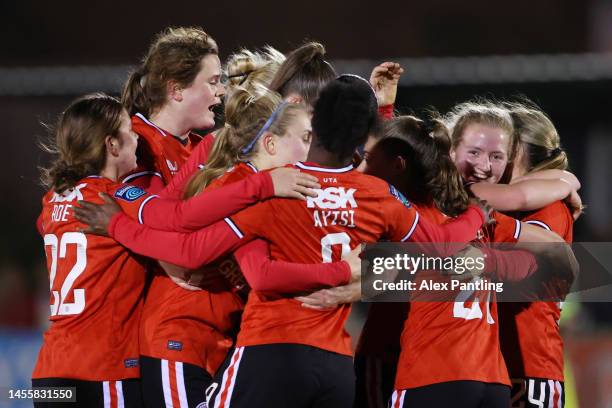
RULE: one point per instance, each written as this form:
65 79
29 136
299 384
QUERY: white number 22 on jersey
60 306
340 238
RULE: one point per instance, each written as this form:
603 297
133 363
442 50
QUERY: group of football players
219 270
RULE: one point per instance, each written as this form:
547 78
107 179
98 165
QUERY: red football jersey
530 337
196 327
160 154
351 208
96 290
452 341
380 336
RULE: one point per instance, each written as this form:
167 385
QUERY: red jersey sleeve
554 217
386 112
176 188
130 198
507 229
151 181
509 266
207 207
189 250
266 275
249 222
405 224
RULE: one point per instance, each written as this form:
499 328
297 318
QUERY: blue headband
265 127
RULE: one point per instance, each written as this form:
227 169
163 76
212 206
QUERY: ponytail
445 182
134 96
425 146
222 156
246 113
538 137
175 55
304 73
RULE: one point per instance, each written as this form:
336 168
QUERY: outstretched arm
525 195
266 275
213 205
189 250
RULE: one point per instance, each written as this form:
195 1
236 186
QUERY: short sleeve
252 221
552 219
131 199
507 229
401 218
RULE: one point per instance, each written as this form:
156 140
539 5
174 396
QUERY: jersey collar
315 167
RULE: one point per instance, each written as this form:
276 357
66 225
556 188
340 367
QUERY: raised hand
97 216
384 80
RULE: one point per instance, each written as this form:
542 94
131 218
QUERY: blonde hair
484 112
79 140
175 55
246 113
248 69
538 136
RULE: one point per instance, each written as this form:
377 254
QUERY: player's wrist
114 220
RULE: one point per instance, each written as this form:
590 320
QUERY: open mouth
478 177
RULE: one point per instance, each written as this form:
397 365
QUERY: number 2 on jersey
59 247
474 312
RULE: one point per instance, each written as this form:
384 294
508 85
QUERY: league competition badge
396 193
129 193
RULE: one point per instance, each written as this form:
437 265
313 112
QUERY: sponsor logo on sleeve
396 193
130 193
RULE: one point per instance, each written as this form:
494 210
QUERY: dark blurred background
559 54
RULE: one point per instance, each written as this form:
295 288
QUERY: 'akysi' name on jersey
333 198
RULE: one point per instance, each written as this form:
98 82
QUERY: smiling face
482 154
203 94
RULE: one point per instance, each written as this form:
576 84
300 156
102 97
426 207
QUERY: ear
112 145
174 91
268 141
399 165
452 154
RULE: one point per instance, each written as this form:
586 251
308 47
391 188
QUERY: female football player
529 332
96 284
482 145
305 353
170 94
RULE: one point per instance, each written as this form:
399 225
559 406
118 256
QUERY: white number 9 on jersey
60 307
340 238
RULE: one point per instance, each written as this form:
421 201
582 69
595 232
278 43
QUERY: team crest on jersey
130 362
130 193
396 193
175 345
